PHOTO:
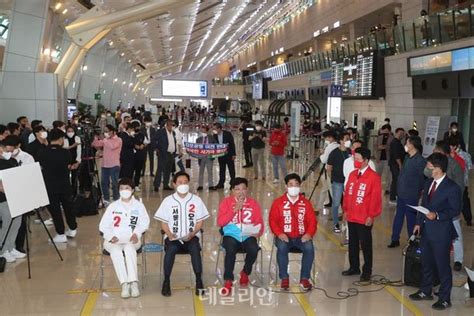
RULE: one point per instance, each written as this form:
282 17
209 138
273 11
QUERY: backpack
412 263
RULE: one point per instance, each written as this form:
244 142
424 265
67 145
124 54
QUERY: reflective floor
72 287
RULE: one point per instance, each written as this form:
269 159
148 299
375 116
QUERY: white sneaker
276 180
17 254
135 290
137 189
71 233
8 257
60 239
49 222
37 221
125 290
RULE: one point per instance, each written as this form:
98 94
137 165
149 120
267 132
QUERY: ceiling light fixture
58 6
64 11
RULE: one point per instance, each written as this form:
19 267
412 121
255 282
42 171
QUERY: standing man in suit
150 133
228 160
127 154
165 143
442 197
206 162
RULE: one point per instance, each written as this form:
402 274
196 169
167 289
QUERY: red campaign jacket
251 213
278 143
363 196
294 220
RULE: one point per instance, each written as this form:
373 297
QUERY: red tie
432 191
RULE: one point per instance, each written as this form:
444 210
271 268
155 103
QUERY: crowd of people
351 185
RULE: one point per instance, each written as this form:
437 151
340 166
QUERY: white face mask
6 155
125 194
347 144
183 188
44 135
454 130
132 133
16 152
258 128
70 134
293 191
102 116
63 129
327 142
148 124
203 134
106 135
406 148
108 114
215 132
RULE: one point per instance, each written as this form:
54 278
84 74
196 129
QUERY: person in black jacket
140 153
442 198
56 162
166 146
397 155
257 142
454 132
40 142
228 160
127 154
150 133
247 130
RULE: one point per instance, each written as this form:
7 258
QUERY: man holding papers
182 215
442 197
240 217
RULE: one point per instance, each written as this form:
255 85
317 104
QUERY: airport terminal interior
289 82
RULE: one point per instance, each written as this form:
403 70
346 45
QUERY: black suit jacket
227 138
161 141
446 201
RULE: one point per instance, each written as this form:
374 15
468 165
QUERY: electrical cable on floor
378 280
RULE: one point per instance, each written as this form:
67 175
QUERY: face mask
326 142
203 134
428 172
258 128
106 135
70 135
148 124
44 135
293 191
347 144
102 116
125 194
6 155
406 148
183 188
63 129
357 164
132 133
215 132
454 130
108 114
16 152
76 122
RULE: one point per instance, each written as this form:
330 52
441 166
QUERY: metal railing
426 31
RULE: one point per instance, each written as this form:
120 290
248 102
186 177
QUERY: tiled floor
69 287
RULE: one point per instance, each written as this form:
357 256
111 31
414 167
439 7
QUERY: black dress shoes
457 266
166 289
200 290
365 277
420 296
351 272
200 188
155 189
441 305
167 188
394 244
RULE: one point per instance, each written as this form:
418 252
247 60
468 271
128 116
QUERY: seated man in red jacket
241 220
293 222
362 203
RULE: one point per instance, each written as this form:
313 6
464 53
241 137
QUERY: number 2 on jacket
117 220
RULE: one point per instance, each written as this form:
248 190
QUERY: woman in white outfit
122 226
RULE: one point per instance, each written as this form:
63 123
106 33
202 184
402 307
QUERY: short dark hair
35 123
453 141
3 128
360 141
147 119
180 174
387 119
38 128
364 152
13 126
111 128
413 132
341 136
56 134
329 134
218 125
454 124
399 129
387 126
12 140
292 176
58 124
286 119
443 146
416 142
259 122
237 181
135 124
439 160
126 181
18 120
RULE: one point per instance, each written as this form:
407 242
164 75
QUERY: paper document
470 273
420 209
250 229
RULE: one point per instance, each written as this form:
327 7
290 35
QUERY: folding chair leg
143 268
219 278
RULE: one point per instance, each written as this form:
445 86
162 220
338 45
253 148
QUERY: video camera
87 131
